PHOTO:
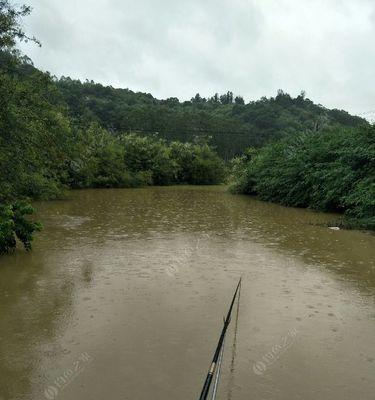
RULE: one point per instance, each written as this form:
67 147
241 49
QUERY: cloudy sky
181 47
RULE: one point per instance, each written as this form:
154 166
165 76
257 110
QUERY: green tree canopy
10 24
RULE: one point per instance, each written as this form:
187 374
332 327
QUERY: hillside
232 124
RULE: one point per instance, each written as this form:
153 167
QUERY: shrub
14 223
327 170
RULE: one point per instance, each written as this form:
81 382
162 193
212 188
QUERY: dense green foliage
332 170
13 221
232 124
34 133
128 160
14 224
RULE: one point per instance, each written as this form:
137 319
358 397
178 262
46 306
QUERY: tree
215 98
239 100
10 24
227 98
197 99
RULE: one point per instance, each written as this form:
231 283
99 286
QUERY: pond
124 293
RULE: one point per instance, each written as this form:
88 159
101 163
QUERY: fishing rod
211 372
234 349
217 377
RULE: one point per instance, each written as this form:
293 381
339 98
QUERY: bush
149 153
197 164
7 238
37 186
14 223
327 170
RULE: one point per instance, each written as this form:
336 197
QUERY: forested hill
232 124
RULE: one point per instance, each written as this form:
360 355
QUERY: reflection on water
139 279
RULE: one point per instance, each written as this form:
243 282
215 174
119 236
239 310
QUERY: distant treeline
231 124
225 120
329 170
43 149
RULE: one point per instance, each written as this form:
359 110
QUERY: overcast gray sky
178 48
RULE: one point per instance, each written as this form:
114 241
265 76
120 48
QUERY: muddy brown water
124 293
